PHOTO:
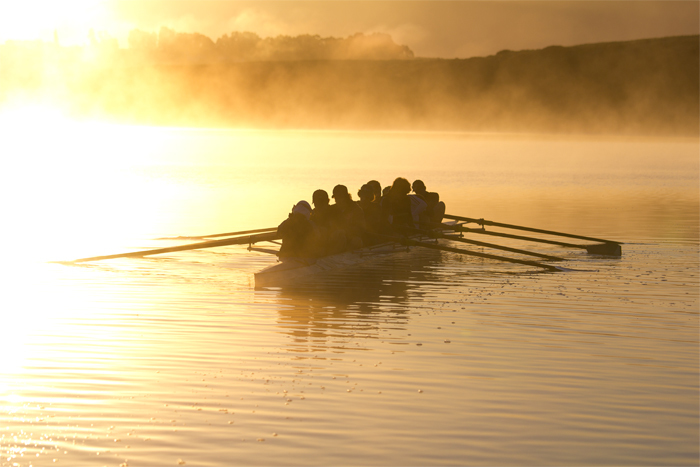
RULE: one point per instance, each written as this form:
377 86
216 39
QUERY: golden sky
430 28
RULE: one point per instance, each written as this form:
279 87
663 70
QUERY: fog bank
637 87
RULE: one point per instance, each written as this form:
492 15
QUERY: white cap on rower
302 207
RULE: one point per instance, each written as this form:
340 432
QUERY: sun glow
72 185
45 135
39 19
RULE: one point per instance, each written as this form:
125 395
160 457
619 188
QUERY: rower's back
436 208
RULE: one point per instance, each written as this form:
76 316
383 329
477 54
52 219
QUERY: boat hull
292 270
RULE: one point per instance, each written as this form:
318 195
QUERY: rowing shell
290 270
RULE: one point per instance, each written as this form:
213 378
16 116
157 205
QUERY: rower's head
340 194
366 193
303 208
320 198
418 187
400 187
377 188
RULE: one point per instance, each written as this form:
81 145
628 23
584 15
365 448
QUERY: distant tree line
648 86
638 87
169 46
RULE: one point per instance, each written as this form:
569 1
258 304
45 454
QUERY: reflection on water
358 300
422 358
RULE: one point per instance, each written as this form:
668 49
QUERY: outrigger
289 270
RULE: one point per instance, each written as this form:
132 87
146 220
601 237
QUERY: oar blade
608 249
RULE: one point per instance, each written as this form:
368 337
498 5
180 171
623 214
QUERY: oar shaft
411 242
228 234
499 247
190 246
608 249
481 255
528 229
242 232
518 237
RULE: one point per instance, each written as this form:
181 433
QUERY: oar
459 228
190 246
494 246
411 242
228 234
610 248
529 229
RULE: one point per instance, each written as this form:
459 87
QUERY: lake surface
420 358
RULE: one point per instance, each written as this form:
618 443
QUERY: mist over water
421 358
362 82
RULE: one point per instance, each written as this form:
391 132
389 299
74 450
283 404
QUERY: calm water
424 358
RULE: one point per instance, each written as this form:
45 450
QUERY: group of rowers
348 225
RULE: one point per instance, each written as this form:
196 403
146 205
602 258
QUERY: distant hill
639 87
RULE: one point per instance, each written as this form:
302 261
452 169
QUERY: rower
348 216
418 209
299 235
377 190
436 208
331 238
321 214
372 212
396 206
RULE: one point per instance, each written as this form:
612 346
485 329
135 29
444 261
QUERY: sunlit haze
431 29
